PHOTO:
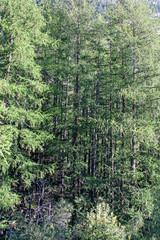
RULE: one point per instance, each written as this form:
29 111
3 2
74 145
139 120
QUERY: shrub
103 225
54 227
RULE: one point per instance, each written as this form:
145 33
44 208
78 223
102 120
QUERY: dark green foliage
79 116
54 226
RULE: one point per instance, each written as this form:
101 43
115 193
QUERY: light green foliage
21 23
7 198
102 224
21 94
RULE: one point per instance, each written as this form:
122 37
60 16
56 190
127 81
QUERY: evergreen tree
137 70
22 138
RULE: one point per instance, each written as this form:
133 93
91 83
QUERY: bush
103 225
55 227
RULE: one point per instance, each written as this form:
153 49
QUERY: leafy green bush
103 225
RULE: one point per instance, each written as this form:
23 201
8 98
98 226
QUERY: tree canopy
79 119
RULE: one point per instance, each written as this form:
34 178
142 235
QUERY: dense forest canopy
79 119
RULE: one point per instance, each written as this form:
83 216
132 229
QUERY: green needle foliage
79 118
21 97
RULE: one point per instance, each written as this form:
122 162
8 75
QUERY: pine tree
22 138
136 71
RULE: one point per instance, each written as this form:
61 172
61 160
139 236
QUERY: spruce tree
22 89
136 70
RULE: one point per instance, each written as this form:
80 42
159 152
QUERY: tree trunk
76 111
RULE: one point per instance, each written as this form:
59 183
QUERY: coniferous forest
79 120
